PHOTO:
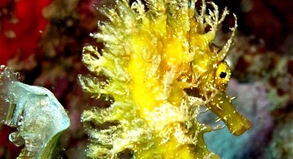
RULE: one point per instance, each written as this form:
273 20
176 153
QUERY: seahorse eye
223 74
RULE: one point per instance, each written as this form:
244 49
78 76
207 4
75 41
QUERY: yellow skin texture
150 58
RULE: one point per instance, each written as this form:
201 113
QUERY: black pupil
223 74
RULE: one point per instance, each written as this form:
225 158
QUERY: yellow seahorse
153 55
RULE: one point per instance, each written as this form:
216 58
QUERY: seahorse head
212 74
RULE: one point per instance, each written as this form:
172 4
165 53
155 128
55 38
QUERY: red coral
21 30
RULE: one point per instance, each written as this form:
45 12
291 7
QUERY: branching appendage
38 116
225 49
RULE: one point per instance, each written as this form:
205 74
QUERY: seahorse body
151 57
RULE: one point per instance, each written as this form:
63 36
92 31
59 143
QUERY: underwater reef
22 25
47 52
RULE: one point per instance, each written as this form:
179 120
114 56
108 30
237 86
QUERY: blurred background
43 40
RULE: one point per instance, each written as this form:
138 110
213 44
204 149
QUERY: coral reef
21 27
55 66
160 66
260 55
